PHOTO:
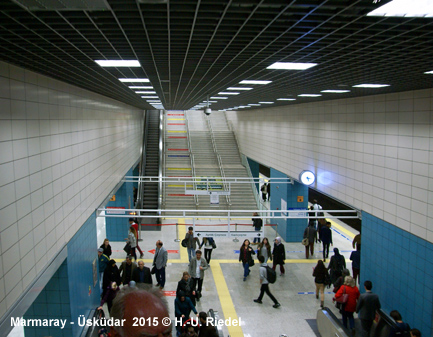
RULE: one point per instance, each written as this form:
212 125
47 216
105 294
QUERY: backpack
271 275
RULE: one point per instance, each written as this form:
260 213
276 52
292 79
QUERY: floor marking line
225 298
182 232
342 229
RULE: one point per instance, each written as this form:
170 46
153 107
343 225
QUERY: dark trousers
256 239
366 325
309 248
348 315
264 196
198 282
207 254
355 272
132 253
160 276
325 250
282 270
265 289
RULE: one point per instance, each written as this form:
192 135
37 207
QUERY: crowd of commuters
136 280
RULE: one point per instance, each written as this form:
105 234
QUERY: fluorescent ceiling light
154 100
149 97
240 88
254 82
140 87
309 95
145 92
228 93
132 80
414 8
291 66
335 91
118 63
218 97
371 85
254 104
266 102
429 72
213 101
286 99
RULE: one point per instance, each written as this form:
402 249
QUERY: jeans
197 282
160 276
348 315
191 253
265 289
246 268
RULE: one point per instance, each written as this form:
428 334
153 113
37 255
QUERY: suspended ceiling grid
190 49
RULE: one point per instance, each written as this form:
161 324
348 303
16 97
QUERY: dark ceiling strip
187 49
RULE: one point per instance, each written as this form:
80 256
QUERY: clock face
307 177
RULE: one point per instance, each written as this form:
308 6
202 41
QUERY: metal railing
140 187
161 152
163 192
191 156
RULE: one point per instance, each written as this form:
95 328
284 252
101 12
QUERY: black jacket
186 286
242 256
147 275
279 253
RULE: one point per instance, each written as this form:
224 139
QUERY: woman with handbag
209 244
321 275
310 233
245 255
132 240
348 295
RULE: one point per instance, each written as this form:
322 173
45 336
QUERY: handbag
251 263
343 298
305 241
184 243
213 245
127 248
153 271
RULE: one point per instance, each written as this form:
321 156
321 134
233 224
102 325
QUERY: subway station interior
327 100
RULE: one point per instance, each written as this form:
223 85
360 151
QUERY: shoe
161 288
197 299
282 274
245 279
157 285
277 305
258 301
322 304
317 296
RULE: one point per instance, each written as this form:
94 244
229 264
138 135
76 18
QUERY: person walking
191 244
186 284
355 257
264 191
349 307
245 255
257 224
366 308
209 245
182 309
264 249
316 207
325 236
132 240
197 266
336 265
111 274
321 275
160 262
141 275
264 284
106 247
103 261
135 225
310 233
126 270
278 255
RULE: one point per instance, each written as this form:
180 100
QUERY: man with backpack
267 275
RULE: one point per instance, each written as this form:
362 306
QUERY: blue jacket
183 308
103 261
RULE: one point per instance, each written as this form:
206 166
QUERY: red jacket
353 297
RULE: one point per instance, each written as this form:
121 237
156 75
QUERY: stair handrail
161 166
140 185
220 164
253 183
191 156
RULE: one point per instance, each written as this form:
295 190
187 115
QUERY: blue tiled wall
400 265
117 228
255 170
52 303
291 230
82 252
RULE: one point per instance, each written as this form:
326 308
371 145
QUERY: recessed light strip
254 82
291 66
133 80
118 63
371 85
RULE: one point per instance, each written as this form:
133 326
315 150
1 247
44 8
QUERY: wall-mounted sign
307 177
113 198
300 198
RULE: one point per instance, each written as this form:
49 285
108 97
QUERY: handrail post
177 233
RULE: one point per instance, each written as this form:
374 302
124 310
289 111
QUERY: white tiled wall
372 152
62 150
